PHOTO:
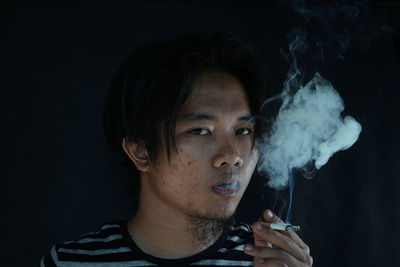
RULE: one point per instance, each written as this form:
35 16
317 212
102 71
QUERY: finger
270 216
259 241
247 249
291 234
262 255
280 240
267 216
272 263
258 262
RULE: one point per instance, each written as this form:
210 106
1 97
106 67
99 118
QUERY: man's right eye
199 131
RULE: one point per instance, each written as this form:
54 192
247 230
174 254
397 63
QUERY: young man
181 113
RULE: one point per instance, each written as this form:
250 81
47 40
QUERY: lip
227 188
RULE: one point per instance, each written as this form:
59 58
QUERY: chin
228 217
225 217
221 210
220 214
226 214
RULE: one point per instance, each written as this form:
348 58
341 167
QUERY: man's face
209 173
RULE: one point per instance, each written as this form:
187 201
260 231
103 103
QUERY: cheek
253 156
250 155
194 166
250 162
195 156
190 170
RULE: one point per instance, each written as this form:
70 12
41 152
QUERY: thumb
269 216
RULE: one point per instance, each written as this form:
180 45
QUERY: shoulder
111 245
107 242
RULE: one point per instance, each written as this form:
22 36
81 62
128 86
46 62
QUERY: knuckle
280 253
268 234
257 251
274 263
289 241
307 249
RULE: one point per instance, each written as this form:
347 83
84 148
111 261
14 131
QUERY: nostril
239 162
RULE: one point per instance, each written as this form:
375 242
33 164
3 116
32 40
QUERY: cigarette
281 226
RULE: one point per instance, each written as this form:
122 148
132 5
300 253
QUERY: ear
138 154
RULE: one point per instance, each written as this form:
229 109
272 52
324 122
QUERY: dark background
61 179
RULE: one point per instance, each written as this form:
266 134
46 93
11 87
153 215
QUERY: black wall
62 180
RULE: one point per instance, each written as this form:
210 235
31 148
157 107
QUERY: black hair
155 80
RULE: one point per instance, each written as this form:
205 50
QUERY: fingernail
269 214
269 244
261 261
248 247
259 226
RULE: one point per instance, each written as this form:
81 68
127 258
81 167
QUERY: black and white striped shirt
112 245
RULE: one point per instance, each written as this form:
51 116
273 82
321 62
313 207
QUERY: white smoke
308 129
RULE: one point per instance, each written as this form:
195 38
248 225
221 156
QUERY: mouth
226 189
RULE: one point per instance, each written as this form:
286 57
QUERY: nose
228 155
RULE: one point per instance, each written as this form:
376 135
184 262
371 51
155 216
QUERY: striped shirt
112 245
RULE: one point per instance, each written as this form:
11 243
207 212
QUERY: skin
211 148
275 248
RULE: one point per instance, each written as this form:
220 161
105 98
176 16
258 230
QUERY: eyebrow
195 117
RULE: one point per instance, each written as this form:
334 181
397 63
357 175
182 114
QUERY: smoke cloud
308 129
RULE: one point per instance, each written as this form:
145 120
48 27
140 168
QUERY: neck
164 232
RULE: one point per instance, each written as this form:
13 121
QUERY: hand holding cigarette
281 246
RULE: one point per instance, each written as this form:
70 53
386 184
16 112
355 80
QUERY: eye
244 131
199 131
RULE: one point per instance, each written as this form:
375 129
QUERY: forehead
218 92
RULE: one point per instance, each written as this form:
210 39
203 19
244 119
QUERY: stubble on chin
206 229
